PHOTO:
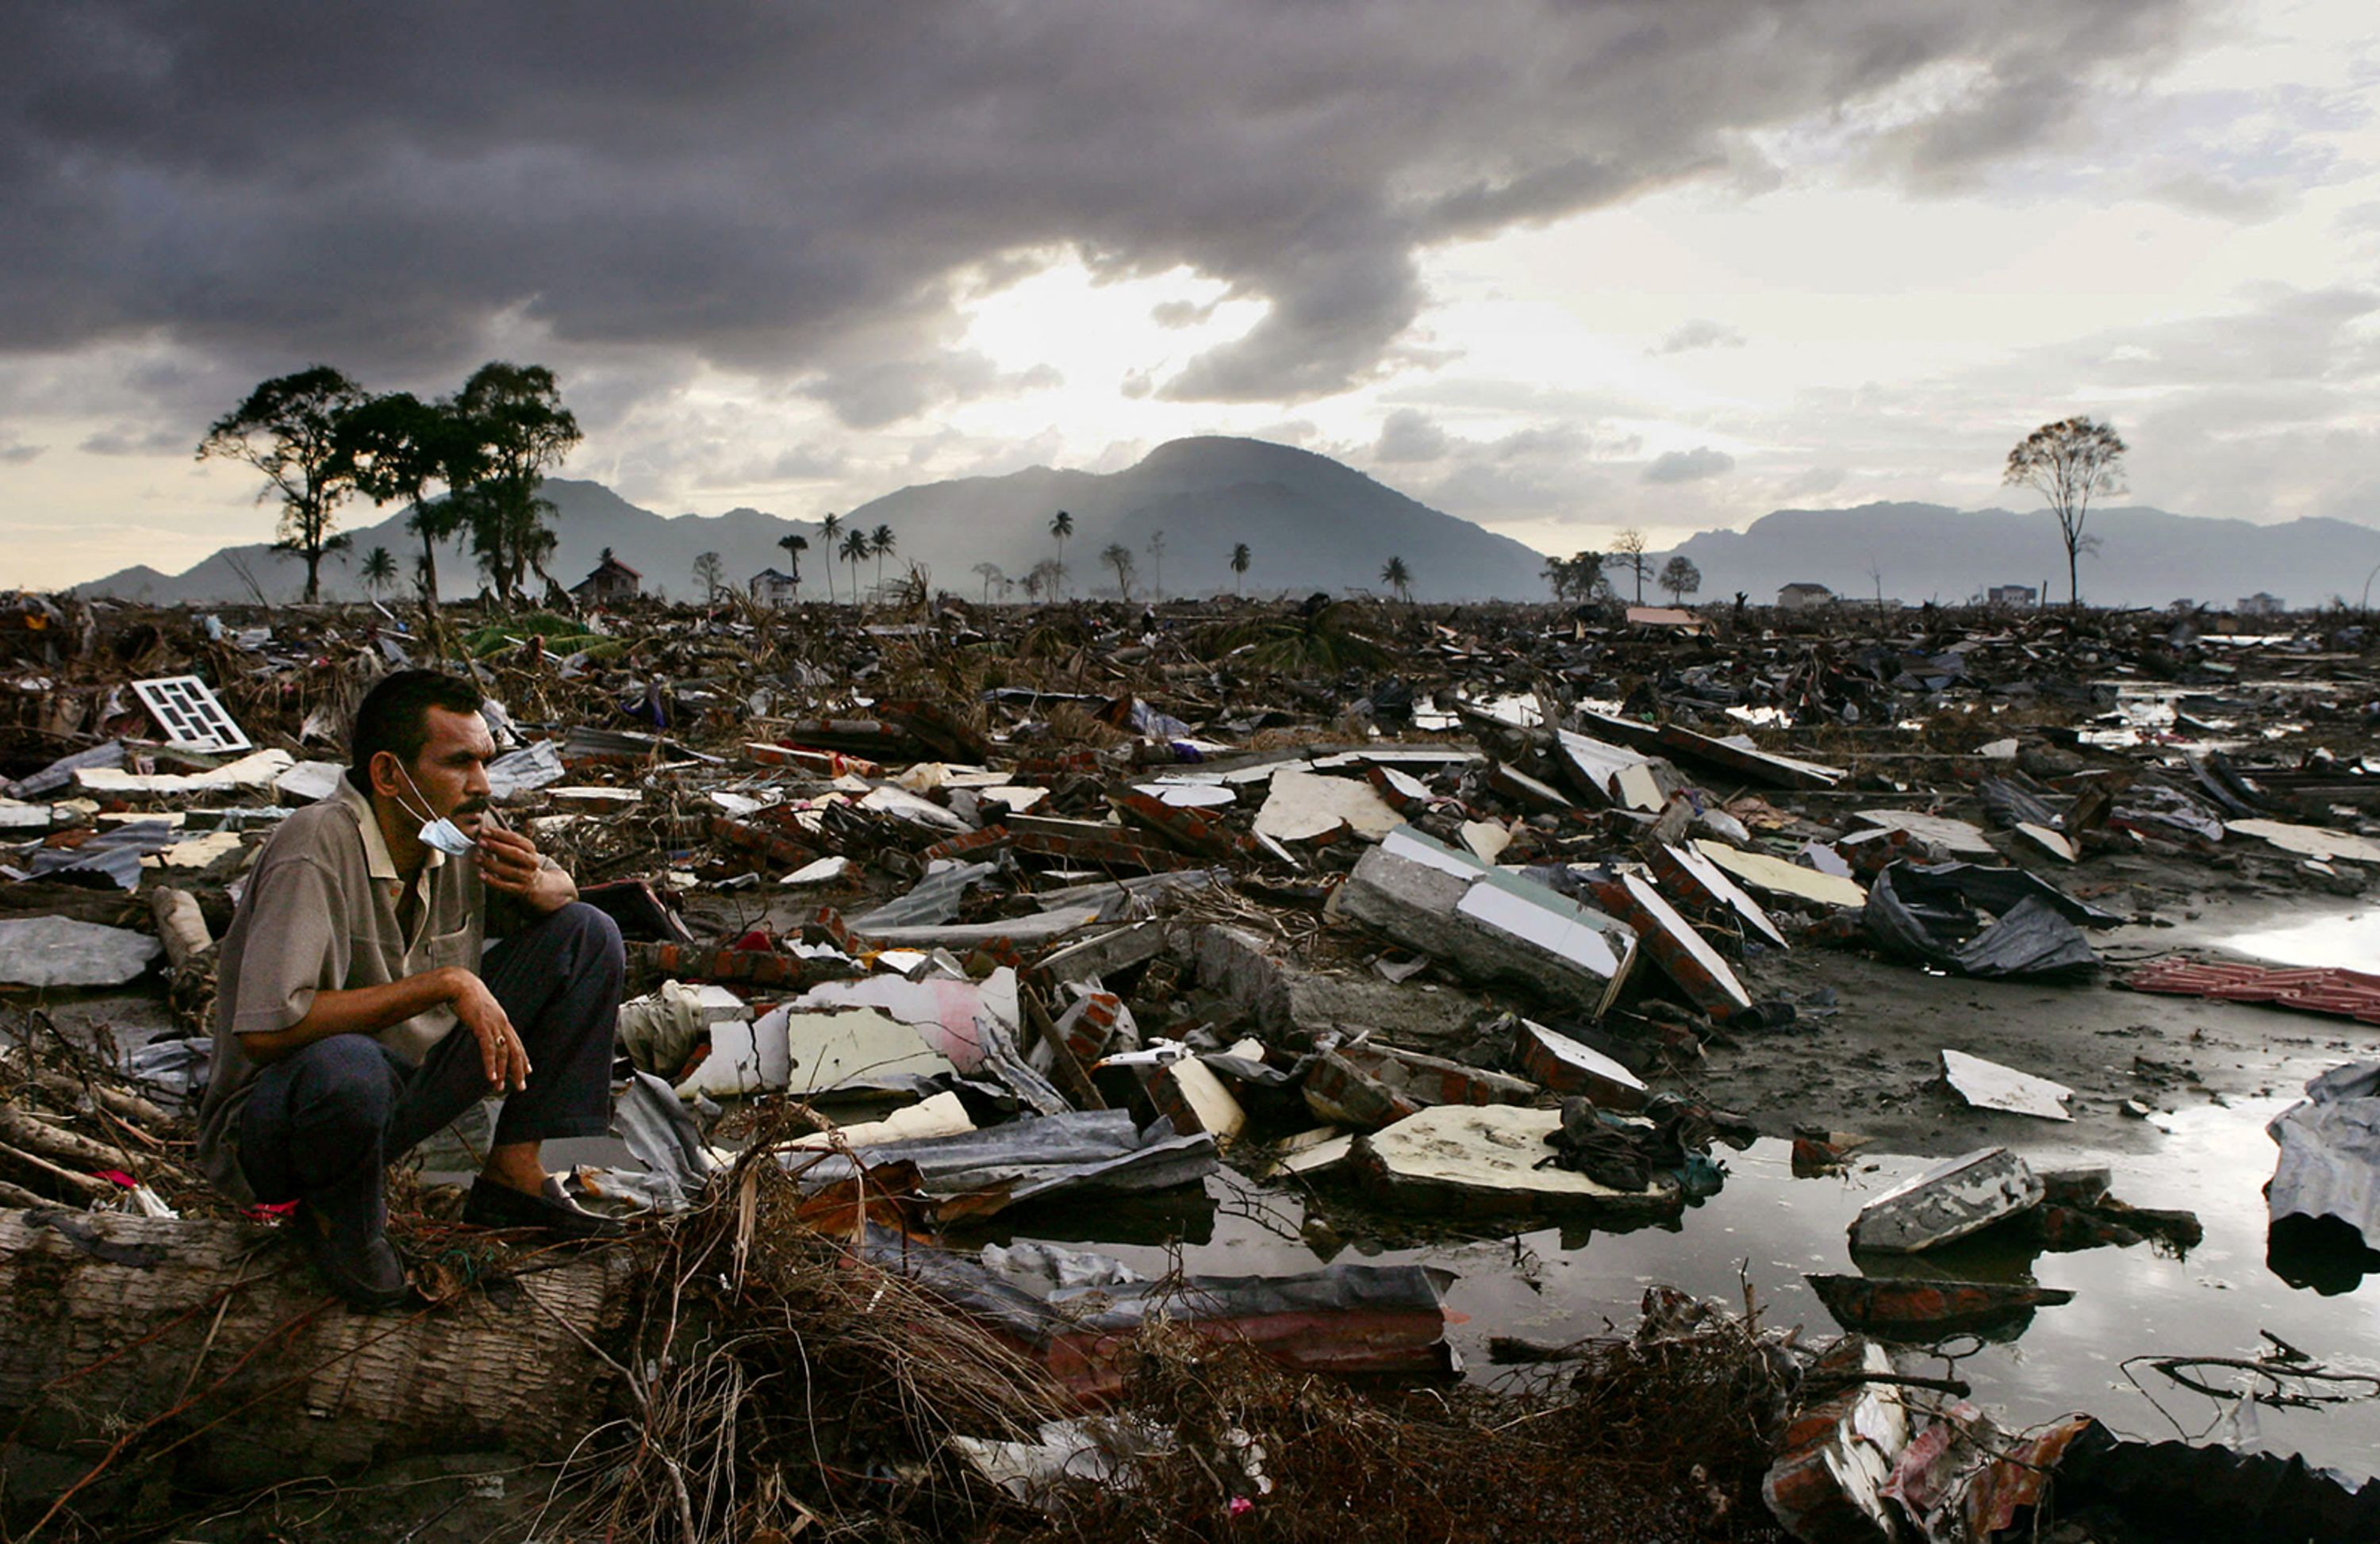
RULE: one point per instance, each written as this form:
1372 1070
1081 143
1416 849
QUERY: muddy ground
1873 1067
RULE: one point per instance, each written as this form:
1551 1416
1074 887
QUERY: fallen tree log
212 1347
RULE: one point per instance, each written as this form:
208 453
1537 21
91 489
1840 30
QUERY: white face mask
437 832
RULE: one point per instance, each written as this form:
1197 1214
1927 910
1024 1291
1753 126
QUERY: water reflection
1560 1284
2350 942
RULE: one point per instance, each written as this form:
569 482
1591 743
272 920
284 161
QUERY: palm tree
1239 565
827 528
795 544
880 544
1399 578
1061 528
378 570
855 550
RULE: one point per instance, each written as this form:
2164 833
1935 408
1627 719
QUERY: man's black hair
395 716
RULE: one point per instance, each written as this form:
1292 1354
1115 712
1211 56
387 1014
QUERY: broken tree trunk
216 1344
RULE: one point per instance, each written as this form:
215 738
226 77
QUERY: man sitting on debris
355 956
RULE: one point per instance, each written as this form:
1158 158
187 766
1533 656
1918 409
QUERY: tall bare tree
1628 554
2068 463
1118 556
288 429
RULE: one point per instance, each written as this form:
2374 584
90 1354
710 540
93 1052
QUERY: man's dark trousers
322 1124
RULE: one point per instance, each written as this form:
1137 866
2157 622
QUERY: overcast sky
1558 266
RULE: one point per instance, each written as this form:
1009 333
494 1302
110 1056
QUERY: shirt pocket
457 948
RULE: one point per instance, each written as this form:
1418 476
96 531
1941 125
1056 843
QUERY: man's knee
341 1083
584 935
322 1108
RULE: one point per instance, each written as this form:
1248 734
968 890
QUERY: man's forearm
358 1011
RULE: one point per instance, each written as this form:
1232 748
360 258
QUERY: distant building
2260 605
2183 606
1801 597
2011 595
611 580
772 589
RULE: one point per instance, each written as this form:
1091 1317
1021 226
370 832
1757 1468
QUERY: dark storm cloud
809 191
1688 466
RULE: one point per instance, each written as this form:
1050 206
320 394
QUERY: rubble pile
986 915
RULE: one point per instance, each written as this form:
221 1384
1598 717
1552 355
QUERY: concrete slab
1774 876
1948 1201
1481 1160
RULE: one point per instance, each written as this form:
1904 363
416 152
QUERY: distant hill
1310 523
1921 551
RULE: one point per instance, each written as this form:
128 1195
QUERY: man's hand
510 862
501 1055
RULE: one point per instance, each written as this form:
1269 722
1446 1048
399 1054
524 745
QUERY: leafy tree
1062 527
707 570
855 551
1399 578
1680 577
1574 577
1033 584
1118 556
881 543
288 429
2067 463
827 528
795 544
1239 561
1628 556
1157 563
516 427
378 570
1051 575
395 446
990 575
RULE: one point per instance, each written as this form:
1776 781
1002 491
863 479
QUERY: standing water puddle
2350 942
1554 1284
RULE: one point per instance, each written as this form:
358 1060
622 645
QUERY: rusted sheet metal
1683 955
1889 1305
1704 886
1670 739
2348 993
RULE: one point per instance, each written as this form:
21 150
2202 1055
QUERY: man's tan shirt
320 914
